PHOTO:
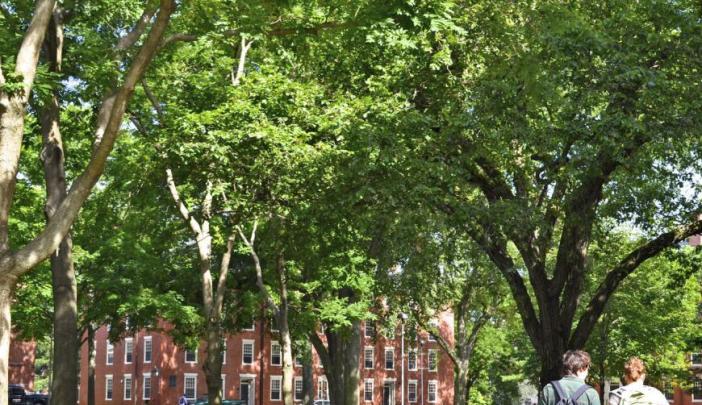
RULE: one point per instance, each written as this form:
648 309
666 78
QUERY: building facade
149 368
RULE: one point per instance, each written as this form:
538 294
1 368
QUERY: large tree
16 88
559 119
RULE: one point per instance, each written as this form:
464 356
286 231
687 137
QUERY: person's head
576 363
634 370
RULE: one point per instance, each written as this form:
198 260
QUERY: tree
574 116
15 94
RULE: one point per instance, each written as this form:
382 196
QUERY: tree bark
308 381
6 289
212 296
341 360
64 387
91 364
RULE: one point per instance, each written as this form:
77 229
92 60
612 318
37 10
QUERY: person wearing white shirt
635 392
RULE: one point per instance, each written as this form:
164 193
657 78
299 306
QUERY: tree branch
154 101
133 36
625 267
48 240
243 50
222 280
321 349
257 265
182 208
28 55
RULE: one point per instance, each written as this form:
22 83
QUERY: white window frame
253 350
365 389
431 352
372 357
224 351
151 348
385 357
128 349
365 329
185 356
434 383
280 353
692 359
252 328
143 386
110 378
692 391
322 380
109 351
416 390
185 384
125 378
302 389
222 388
297 362
412 351
279 379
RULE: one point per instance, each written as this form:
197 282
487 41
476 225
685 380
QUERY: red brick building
149 367
21 365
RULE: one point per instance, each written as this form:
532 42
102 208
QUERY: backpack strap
579 392
559 390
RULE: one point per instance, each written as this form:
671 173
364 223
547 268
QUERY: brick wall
168 361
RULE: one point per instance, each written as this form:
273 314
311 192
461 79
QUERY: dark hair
633 369
574 361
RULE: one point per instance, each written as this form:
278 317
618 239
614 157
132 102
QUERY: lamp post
403 318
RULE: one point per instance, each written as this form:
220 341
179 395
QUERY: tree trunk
286 343
213 365
461 385
65 384
91 364
308 381
6 289
352 371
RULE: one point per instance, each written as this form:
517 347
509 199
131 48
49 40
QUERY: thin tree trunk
6 289
65 294
307 381
352 359
91 364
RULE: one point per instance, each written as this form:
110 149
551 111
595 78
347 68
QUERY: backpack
643 396
563 399
183 400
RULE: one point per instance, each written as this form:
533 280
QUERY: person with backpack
571 389
635 392
183 400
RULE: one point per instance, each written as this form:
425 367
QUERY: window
322 389
128 350
412 360
147 349
252 327
299 395
127 386
696 390
369 329
190 386
110 357
412 391
368 357
696 359
191 356
275 354
274 324
434 327
432 391
108 387
276 387
368 390
298 361
223 352
389 358
432 360
172 381
146 391
668 391
247 352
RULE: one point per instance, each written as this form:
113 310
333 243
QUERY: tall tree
16 86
